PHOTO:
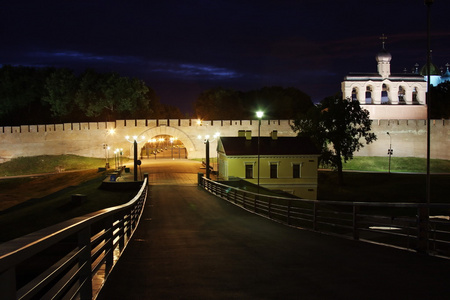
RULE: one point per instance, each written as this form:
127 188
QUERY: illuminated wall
87 139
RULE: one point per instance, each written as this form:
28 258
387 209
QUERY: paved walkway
192 245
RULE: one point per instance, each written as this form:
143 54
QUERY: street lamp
171 145
259 115
428 3
390 151
135 142
206 141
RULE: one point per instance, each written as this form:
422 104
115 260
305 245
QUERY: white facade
384 88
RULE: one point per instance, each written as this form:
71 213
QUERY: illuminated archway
163 146
168 131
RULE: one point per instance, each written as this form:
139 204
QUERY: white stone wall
87 139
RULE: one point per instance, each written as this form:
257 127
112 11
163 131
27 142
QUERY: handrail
402 225
71 259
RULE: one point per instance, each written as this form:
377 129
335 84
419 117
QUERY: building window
273 170
296 171
249 171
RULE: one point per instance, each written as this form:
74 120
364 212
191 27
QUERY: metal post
390 151
259 134
207 158
423 245
355 222
135 160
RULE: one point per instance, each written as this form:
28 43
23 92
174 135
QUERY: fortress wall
408 137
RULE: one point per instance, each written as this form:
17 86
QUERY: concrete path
192 245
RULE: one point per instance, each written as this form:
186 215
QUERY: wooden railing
419 227
70 260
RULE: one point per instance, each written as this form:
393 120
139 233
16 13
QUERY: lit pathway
191 245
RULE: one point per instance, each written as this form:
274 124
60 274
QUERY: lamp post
115 158
135 160
107 156
206 141
428 3
390 151
259 115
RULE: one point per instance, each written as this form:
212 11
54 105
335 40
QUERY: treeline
57 95
49 95
276 103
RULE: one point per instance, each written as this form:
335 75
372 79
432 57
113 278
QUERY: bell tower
384 60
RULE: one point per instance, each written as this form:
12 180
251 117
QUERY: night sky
181 48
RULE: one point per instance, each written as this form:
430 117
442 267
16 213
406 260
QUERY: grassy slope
30 203
398 164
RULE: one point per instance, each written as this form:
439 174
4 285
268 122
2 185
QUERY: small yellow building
286 163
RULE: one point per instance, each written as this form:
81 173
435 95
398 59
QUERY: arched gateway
181 136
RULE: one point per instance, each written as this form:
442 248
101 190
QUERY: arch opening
385 94
401 95
368 95
163 146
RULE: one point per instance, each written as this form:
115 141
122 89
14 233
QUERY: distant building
286 163
386 95
437 76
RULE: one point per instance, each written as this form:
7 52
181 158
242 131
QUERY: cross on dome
383 39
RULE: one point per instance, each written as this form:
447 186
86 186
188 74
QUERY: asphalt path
192 245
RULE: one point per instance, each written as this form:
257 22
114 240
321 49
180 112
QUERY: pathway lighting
207 139
259 115
135 160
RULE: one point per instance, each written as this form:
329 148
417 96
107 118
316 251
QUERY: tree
21 91
61 87
440 101
219 104
277 102
337 126
110 96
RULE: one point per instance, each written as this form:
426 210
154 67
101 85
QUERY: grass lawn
31 203
49 163
38 213
398 164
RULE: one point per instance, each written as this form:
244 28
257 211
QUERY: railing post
355 222
200 179
315 210
85 263
122 234
269 208
422 229
8 284
109 259
289 212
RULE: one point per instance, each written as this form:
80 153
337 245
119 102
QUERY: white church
391 96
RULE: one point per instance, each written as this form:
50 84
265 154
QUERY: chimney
274 135
248 134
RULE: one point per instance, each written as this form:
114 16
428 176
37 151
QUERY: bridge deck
192 245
